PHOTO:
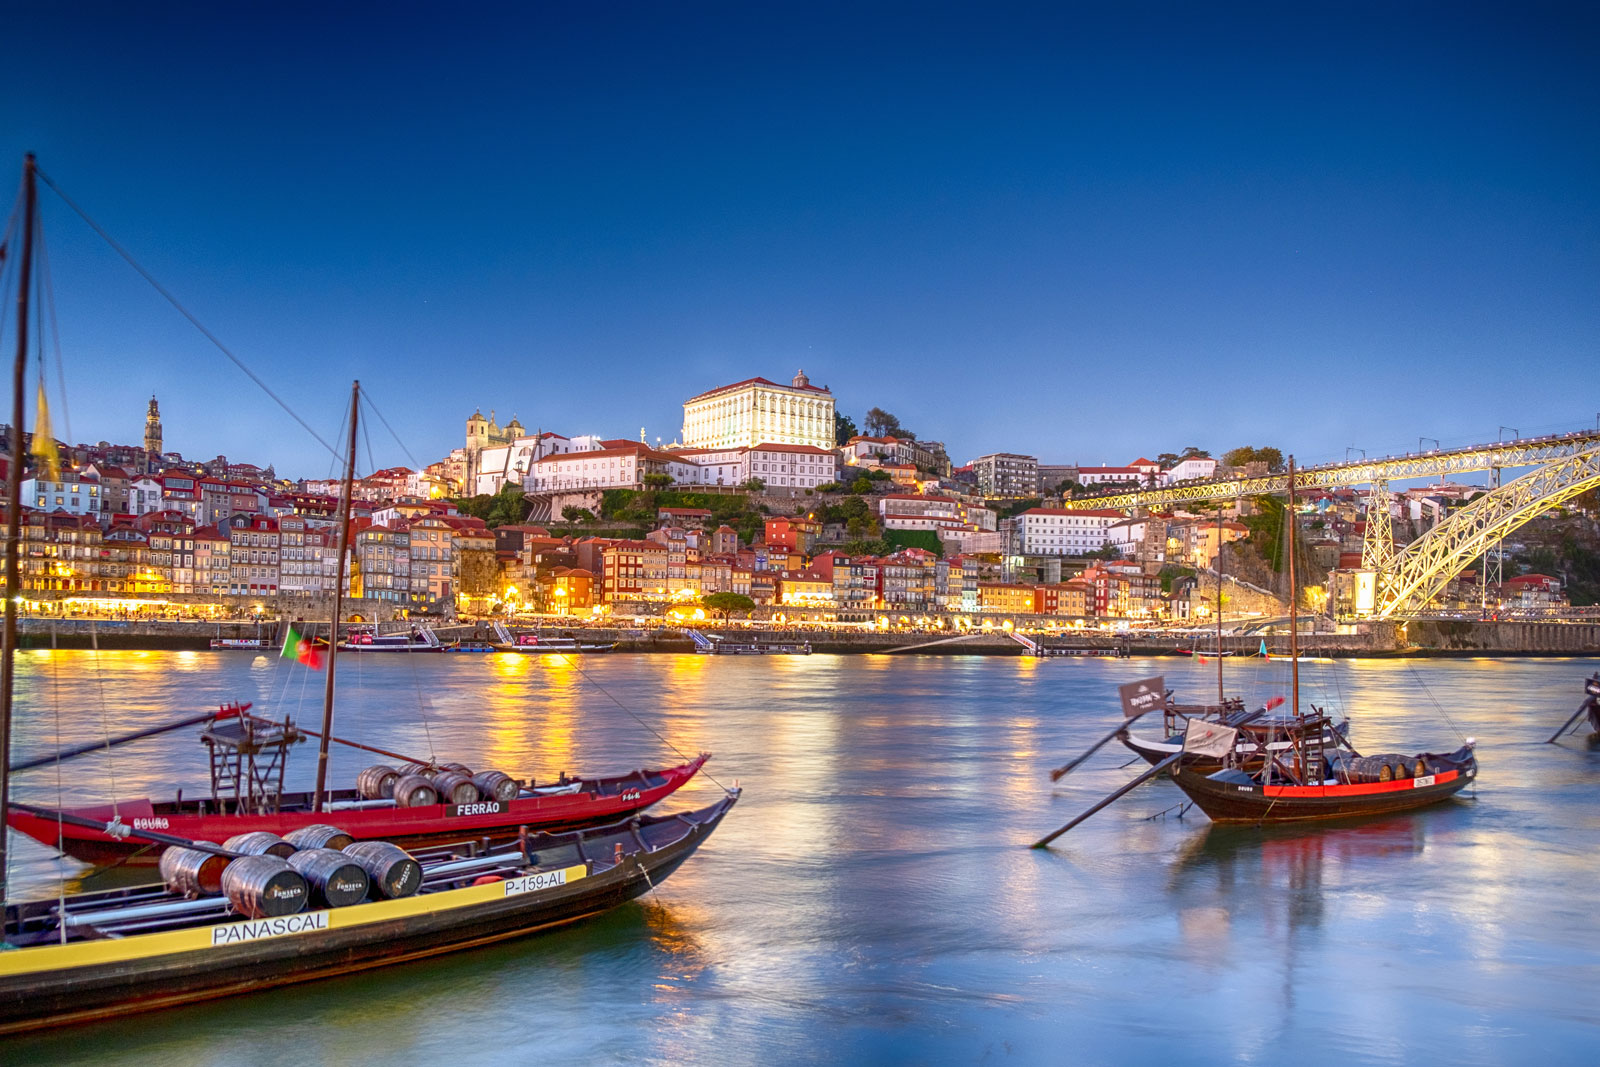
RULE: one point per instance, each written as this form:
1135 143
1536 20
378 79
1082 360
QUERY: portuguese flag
301 648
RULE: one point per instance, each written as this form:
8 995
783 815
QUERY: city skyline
958 220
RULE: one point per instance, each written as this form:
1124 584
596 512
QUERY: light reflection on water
870 900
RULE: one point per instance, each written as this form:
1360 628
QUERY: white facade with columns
757 411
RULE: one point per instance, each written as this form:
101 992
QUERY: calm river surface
872 898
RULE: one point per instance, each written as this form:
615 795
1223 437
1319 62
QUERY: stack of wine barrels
1384 768
317 864
419 785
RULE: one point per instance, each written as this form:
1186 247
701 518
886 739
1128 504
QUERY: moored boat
411 804
116 952
368 639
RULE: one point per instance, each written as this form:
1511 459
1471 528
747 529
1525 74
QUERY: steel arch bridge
1566 465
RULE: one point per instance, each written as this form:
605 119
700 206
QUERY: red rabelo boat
430 805
1306 777
1255 767
409 802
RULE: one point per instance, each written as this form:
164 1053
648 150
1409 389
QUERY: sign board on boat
1143 696
1201 738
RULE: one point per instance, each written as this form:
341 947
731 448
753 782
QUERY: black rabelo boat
1302 776
262 911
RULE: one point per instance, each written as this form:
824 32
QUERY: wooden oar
1057 774
1564 726
1145 777
98 746
123 829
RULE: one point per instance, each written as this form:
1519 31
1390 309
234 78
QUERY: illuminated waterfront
871 900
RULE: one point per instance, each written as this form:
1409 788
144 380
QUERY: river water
872 899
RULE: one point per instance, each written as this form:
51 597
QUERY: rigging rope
185 312
366 398
680 754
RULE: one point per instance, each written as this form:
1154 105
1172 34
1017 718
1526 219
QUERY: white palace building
757 411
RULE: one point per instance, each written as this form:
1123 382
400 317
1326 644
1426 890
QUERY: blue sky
1079 233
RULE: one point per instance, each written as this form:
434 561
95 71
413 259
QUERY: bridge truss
1567 465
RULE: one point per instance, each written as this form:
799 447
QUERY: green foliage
1238 457
754 485
1266 530
1017 507
1171 573
723 603
882 424
924 539
507 507
862 484
657 481
867 547
878 474
829 487
574 514
844 428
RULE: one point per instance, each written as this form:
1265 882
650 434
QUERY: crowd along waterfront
875 901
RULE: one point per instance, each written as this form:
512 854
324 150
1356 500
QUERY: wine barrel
336 880
377 782
1421 767
192 872
318 835
259 843
496 786
455 788
460 768
261 887
415 791
393 872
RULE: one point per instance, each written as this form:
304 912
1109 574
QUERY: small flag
300 648
44 442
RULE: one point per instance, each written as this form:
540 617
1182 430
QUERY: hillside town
771 496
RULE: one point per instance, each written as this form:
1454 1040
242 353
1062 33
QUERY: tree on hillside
882 424
844 428
1244 454
723 603
657 481
573 514
753 485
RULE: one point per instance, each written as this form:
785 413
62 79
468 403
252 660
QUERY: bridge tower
1377 547
1493 560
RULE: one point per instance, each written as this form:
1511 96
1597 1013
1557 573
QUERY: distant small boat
533 644
368 639
237 643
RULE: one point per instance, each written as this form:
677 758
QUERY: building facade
757 411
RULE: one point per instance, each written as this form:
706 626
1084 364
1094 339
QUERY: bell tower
152 435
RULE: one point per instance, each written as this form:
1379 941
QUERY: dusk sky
1085 233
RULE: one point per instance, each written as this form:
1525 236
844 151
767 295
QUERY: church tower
152 435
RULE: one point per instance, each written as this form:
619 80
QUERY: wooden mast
1294 600
338 599
13 590
1220 698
